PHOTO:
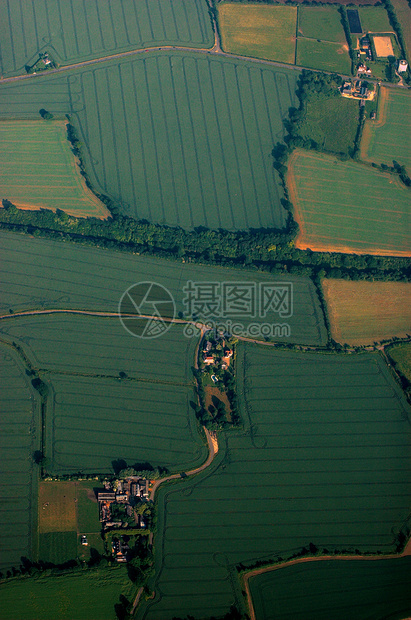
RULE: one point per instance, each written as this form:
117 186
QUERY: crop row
77 31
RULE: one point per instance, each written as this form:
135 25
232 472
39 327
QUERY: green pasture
260 31
401 354
331 123
348 206
57 547
38 169
322 23
73 31
45 274
82 595
387 138
334 589
326 441
202 154
374 19
92 423
98 346
19 418
323 55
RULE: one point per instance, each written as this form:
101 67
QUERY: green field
19 415
387 138
374 19
38 169
94 417
266 32
326 441
319 123
42 273
57 547
73 31
101 347
88 595
401 354
348 207
322 23
202 156
323 55
334 589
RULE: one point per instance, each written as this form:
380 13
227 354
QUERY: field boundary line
258 571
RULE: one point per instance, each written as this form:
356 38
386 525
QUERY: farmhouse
123 494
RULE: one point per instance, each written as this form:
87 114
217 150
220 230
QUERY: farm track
259 571
214 51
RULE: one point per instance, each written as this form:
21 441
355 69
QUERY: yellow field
383 47
57 507
38 170
362 313
259 31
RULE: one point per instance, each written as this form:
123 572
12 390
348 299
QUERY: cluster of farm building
124 495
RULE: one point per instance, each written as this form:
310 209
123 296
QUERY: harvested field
77 277
203 155
38 170
19 428
326 441
89 595
387 138
362 313
74 31
66 511
347 207
259 31
57 507
333 589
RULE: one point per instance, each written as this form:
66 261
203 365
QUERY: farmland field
334 589
387 138
67 510
326 440
57 547
102 347
402 12
347 207
374 19
260 31
401 354
321 23
203 155
323 55
73 31
19 419
94 417
85 595
38 169
76 277
367 312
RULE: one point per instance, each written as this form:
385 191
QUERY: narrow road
259 571
214 51
213 450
